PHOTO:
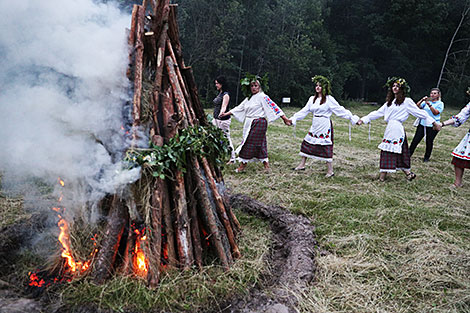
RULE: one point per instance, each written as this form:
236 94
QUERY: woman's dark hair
221 80
400 96
323 96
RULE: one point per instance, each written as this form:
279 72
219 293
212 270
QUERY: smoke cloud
62 91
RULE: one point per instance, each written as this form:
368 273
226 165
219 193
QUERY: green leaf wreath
208 141
401 82
250 78
324 83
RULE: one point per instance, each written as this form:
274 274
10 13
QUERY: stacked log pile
187 216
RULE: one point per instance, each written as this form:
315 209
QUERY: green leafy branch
208 141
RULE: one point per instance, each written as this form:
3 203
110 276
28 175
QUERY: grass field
394 246
397 246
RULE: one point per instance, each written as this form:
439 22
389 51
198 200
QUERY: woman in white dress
395 154
461 153
255 112
318 143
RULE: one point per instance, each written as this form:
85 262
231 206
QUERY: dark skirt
390 162
318 151
462 163
256 145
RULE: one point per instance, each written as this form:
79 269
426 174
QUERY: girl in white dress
255 112
318 143
394 154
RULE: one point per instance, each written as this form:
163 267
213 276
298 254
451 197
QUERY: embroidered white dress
462 151
257 106
320 131
395 115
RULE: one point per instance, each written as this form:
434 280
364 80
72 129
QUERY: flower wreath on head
250 78
324 83
401 82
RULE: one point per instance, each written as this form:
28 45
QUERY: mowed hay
397 246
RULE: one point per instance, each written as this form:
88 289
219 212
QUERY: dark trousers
430 135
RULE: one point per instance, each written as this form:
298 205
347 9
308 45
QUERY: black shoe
425 160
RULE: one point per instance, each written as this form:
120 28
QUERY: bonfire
175 215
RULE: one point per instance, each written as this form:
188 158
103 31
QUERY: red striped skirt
390 161
256 145
462 163
320 151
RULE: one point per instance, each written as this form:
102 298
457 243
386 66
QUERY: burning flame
64 239
140 261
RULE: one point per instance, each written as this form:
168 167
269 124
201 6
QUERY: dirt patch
291 261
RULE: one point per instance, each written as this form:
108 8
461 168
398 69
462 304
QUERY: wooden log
167 227
138 71
155 236
161 13
153 5
157 86
208 215
219 204
169 130
131 40
195 231
104 263
182 225
179 97
170 119
173 33
192 88
182 83
233 219
126 266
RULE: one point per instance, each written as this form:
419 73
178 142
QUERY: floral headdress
324 83
250 78
401 82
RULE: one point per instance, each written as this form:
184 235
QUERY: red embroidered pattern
273 105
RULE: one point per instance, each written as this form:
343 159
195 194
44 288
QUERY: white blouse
257 106
320 131
398 112
395 115
463 115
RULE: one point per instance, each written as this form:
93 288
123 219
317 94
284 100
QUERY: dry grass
11 210
397 246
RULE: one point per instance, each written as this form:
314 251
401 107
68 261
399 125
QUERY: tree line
357 44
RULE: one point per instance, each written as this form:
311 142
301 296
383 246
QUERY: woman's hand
287 121
225 114
437 126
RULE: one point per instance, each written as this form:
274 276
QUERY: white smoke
62 90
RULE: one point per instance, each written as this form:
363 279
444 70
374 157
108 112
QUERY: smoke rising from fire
62 90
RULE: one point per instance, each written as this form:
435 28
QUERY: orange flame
140 261
64 239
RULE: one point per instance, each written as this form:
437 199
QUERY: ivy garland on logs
208 141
